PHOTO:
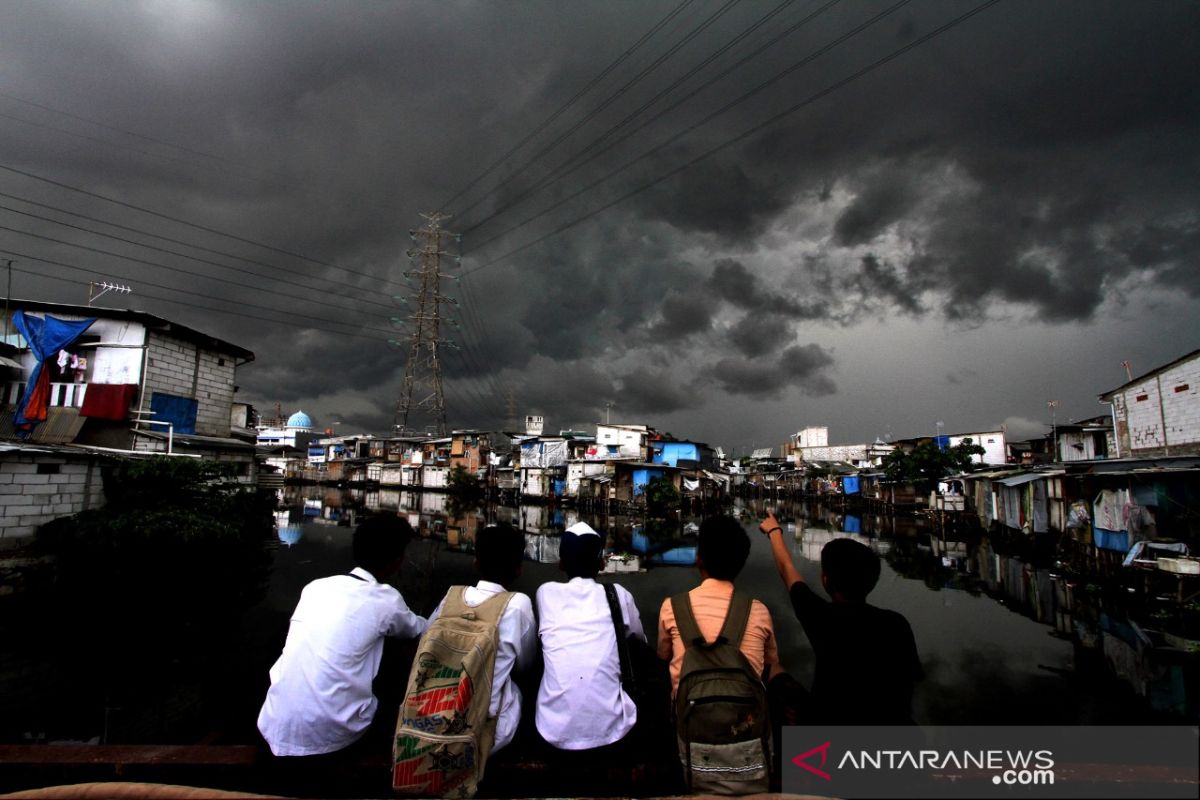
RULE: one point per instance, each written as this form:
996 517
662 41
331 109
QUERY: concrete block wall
1161 414
181 368
37 488
1181 406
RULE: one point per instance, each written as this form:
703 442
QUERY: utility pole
7 299
1052 405
421 391
608 404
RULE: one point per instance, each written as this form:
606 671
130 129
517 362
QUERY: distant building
1158 413
291 434
811 445
623 441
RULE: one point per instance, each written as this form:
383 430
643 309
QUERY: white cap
582 529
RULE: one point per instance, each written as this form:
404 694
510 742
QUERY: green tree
927 463
661 495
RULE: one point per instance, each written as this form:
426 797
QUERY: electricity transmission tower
421 394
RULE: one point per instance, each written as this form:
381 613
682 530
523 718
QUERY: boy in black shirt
866 657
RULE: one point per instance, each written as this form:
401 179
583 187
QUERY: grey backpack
721 719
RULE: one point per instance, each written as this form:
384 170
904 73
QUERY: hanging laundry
47 338
108 401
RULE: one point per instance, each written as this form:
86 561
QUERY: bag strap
489 610
736 618
610 593
685 621
734 627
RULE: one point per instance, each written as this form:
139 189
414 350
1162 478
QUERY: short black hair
379 541
498 552
849 567
579 556
723 547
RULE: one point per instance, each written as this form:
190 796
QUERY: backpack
444 733
721 719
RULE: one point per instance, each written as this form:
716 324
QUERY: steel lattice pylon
423 370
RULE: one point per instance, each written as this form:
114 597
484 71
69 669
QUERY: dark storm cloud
880 203
645 391
1041 159
800 366
683 313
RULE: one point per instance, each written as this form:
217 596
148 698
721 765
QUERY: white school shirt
516 648
320 699
580 701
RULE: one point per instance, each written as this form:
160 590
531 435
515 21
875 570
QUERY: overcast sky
730 220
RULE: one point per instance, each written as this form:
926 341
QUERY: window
1183 387
1142 397
48 469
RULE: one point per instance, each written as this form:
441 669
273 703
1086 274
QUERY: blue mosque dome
290 534
300 420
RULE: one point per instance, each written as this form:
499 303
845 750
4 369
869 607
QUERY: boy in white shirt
499 550
321 699
581 705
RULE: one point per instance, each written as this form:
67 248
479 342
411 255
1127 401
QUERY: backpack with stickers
721 719
444 733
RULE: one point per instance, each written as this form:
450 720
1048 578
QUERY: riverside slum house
1139 484
844 471
84 384
614 467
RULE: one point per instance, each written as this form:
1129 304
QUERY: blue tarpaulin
179 411
850 484
45 337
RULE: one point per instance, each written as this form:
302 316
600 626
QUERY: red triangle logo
801 761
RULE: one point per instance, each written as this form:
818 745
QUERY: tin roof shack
684 454
133 382
1030 502
630 479
812 444
624 441
1086 440
128 366
400 449
471 450
1158 414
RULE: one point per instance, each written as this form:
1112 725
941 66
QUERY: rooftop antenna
104 287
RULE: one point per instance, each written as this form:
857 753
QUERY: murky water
997 645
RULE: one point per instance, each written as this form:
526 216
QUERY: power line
160 237
706 119
562 109
197 259
135 134
289 322
746 134
619 93
158 265
197 226
577 162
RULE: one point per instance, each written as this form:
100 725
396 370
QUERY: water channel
992 636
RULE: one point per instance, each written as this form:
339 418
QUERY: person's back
866 657
498 553
722 650
866 661
320 700
581 704
721 553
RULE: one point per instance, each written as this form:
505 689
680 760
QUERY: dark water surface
984 623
